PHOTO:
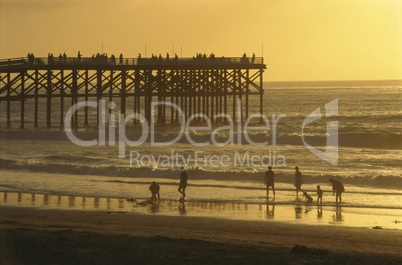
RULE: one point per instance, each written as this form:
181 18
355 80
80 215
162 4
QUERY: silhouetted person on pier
183 183
50 58
244 58
31 58
79 56
154 188
319 194
337 189
253 58
167 56
270 180
298 180
64 57
121 58
60 58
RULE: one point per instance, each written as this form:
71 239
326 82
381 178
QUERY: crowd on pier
103 58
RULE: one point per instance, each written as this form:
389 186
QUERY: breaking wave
197 173
367 140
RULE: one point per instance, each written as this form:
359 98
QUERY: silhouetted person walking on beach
319 194
154 188
337 189
183 183
270 180
298 180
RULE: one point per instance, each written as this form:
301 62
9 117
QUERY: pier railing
103 60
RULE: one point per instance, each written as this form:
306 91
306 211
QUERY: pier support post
261 95
123 93
247 91
61 98
49 98
36 99
98 96
74 97
22 100
86 97
8 100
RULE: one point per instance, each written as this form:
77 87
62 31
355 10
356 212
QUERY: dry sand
49 236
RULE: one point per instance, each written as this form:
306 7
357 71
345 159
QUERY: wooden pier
198 85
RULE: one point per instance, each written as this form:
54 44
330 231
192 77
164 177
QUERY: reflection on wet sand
337 216
319 211
182 208
298 212
155 207
269 211
301 212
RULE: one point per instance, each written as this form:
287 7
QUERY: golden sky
301 39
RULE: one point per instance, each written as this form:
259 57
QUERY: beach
57 236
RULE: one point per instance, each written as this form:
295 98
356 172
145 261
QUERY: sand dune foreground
48 236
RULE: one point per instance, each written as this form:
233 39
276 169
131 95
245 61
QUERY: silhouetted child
308 197
270 180
154 188
183 183
319 194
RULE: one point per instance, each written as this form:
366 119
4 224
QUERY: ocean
368 154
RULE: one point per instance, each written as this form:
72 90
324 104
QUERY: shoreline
267 238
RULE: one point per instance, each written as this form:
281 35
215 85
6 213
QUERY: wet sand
56 236
298 213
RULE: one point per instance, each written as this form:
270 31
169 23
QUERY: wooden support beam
261 96
225 91
74 97
159 89
22 95
98 96
247 91
86 84
234 95
61 98
111 91
49 98
8 100
123 93
36 107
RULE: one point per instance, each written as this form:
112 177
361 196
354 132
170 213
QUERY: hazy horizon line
333 80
